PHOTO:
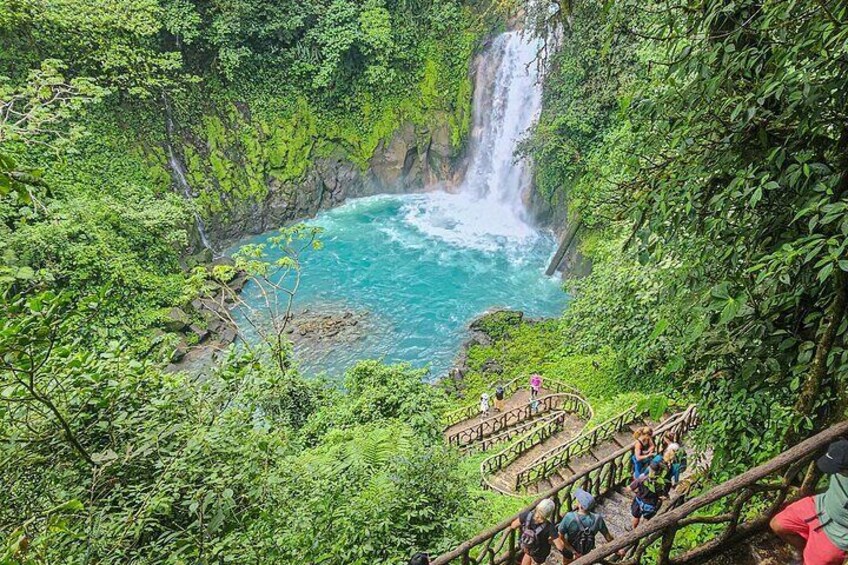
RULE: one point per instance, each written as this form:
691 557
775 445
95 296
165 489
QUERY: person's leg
791 524
635 512
820 550
527 560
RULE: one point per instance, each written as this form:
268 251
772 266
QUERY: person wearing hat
817 526
537 533
578 528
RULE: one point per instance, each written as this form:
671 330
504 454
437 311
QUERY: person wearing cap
578 528
817 526
537 533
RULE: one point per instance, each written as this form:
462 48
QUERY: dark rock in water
491 366
222 261
177 320
238 282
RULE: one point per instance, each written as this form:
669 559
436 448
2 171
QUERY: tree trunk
815 382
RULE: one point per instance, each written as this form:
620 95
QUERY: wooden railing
565 402
471 410
467 412
725 514
509 434
538 435
547 463
499 545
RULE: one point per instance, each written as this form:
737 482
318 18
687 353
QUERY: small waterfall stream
179 174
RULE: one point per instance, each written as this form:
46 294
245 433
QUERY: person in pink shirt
535 385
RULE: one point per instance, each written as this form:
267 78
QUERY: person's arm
561 543
563 536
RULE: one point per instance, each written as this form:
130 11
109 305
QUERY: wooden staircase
559 463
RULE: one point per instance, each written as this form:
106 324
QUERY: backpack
499 393
530 535
647 509
584 542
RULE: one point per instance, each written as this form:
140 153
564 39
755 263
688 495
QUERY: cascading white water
419 267
179 174
489 204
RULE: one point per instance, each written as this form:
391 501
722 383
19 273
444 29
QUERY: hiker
484 405
420 559
648 489
499 398
538 533
578 528
673 461
817 526
535 385
644 450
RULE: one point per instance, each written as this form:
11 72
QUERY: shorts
540 557
499 405
801 517
636 511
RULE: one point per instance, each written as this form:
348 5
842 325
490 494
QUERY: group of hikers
815 526
500 394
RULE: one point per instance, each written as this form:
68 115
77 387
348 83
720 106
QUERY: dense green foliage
703 146
712 171
249 464
107 457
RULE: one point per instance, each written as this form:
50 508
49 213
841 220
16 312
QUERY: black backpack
530 535
584 541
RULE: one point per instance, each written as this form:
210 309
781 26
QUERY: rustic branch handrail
507 435
546 464
561 401
742 488
536 436
471 410
608 473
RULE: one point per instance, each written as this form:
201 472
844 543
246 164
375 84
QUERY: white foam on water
488 212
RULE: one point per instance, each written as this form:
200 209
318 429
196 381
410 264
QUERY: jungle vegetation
702 145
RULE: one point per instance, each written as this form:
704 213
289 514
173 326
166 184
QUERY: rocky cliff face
412 159
249 171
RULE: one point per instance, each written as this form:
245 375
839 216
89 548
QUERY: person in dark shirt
500 393
537 533
648 489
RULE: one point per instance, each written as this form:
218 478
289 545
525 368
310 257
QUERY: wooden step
605 449
624 438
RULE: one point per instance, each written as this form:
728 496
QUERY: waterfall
179 173
506 105
488 207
